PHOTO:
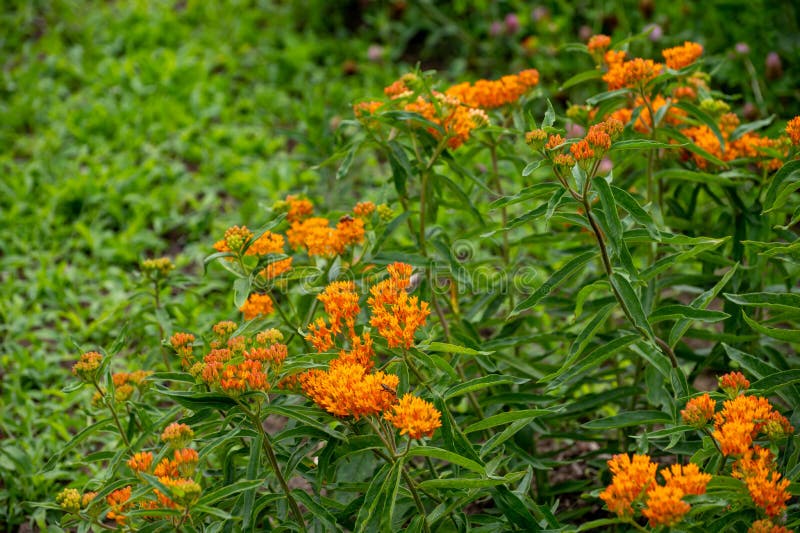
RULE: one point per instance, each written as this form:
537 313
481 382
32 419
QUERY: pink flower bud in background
656 32
750 111
496 28
742 49
375 53
539 13
512 23
774 66
575 130
584 33
605 166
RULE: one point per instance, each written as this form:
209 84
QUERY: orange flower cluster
489 94
177 435
298 208
414 417
634 484
767 490
793 130
141 461
126 383
644 123
319 239
119 501
257 305
364 209
635 73
699 411
349 386
182 344
750 145
767 526
456 119
87 365
682 56
589 149
599 43
395 314
733 384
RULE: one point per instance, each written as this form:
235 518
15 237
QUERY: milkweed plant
415 363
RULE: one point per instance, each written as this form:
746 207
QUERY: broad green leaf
450 457
505 418
751 126
773 382
581 77
677 311
788 335
241 290
573 266
480 383
589 330
785 301
632 302
379 501
199 400
776 195
701 302
633 418
761 369
470 483
451 348
531 167
317 509
549 116
229 490
626 200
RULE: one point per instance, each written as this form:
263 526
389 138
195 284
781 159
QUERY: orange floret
687 478
87 365
599 43
682 56
340 301
793 130
320 336
489 94
177 435
257 305
119 503
581 150
361 352
768 491
364 209
631 480
554 141
141 461
699 411
734 383
348 390
395 314
316 236
414 417
665 506
299 208
349 231
276 268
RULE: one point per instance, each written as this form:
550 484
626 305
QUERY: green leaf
573 266
481 383
344 168
632 302
450 457
761 369
316 509
505 418
677 311
549 116
701 302
625 200
642 144
589 330
227 491
578 365
199 400
241 290
633 418
608 95
531 167
470 483
77 439
785 301
788 335
751 126
532 191
451 348
773 382
581 77
306 415
375 513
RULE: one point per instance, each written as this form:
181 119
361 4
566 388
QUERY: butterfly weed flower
665 506
733 384
298 208
184 492
793 130
364 209
682 56
348 389
157 268
186 460
182 343
766 525
414 417
536 138
119 501
141 461
395 314
320 335
257 305
349 231
69 500
177 435
87 366
222 330
554 141
688 478
632 477
340 301
599 43
699 411
361 352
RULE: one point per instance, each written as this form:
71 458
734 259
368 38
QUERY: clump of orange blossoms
87 365
119 503
347 389
767 526
414 417
733 384
635 73
257 305
599 43
793 130
634 483
699 411
489 94
141 461
177 435
682 56
768 491
395 314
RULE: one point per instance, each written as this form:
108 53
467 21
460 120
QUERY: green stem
412 488
110 406
273 461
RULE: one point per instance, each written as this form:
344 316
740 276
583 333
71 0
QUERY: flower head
687 478
177 435
141 461
395 314
699 411
347 389
87 366
599 43
257 305
69 500
767 526
665 506
414 417
682 56
632 478
119 503
733 384
793 130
